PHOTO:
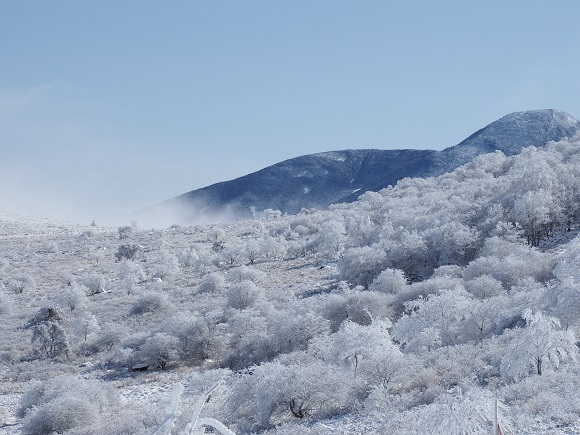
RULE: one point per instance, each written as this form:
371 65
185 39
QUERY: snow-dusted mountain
318 180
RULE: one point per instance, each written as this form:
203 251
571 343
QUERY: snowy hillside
408 311
318 180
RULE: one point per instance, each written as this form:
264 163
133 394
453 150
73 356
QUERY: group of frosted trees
453 262
432 294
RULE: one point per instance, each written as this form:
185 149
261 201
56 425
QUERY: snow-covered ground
408 311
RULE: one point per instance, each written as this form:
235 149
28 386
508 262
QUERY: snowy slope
407 311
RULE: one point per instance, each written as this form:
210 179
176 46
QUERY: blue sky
107 107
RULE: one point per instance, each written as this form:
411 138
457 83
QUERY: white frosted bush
150 302
245 273
65 403
214 283
73 296
389 281
21 283
484 286
243 294
95 282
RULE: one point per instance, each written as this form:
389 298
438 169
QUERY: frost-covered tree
353 344
438 319
360 266
86 324
48 333
484 286
159 349
245 273
199 339
564 295
250 339
188 257
363 307
130 274
273 393
535 210
469 413
294 328
128 252
126 231
333 308
73 296
331 236
485 317
390 371
539 346
410 254
452 243
67 279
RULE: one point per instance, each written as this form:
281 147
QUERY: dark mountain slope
319 180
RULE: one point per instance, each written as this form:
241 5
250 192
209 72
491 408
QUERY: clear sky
110 106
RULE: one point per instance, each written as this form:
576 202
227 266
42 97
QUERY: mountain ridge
320 179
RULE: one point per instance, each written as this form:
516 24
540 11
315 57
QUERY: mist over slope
318 180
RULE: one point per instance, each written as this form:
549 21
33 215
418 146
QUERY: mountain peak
517 130
318 180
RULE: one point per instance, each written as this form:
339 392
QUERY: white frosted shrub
160 349
334 310
360 266
365 306
250 339
274 393
294 329
67 279
130 274
450 270
213 283
188 257
389 281
245 273
539 347
330 238
484 286
243 294
65 403
95 282
479 267
150 302
199 339
167 266
73 296
21 283
60 415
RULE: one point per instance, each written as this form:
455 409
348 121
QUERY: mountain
318 180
